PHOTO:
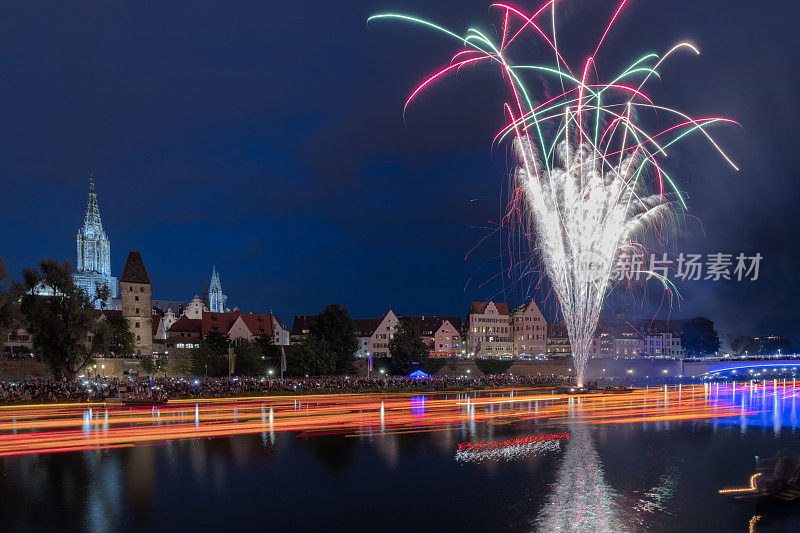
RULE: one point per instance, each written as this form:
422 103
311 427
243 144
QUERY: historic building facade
441 334
189 332
489 330
378 342
195 308
529 329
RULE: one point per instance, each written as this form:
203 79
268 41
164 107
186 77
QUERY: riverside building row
491 329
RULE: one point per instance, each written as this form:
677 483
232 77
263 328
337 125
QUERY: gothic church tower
93 268
215 296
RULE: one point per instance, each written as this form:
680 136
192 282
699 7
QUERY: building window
137 310
136 298
137 324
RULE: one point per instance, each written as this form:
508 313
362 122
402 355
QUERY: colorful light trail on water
590 183
30 429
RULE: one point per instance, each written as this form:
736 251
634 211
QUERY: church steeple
92 219
94 250
217 300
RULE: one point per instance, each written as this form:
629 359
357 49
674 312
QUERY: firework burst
593 188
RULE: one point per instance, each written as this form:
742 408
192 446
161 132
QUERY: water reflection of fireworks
510 449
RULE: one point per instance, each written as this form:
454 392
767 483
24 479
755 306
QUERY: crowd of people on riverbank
102 388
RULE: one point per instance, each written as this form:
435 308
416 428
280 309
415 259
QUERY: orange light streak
30 429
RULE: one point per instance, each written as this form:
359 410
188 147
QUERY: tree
268 349
452 363
492 367
250 360
121 340
185 362
148 364
212 355
433 365
743 344
407 348
313 357
774 344
698 337
335 327
9 308
65 328
152 364
267 346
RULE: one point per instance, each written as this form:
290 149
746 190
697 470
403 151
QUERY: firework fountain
592 190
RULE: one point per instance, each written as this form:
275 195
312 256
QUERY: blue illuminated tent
418 374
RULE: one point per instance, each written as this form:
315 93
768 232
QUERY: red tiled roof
134 271
429 325
220 322
303 322
258 324
524 307
455 321
187 325
365 327
480 307
557 331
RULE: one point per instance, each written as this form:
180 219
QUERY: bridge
741 365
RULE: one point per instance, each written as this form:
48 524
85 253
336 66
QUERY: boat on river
775 478
144 402
128 399
619 389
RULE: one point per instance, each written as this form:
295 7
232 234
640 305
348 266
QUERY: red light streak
76 427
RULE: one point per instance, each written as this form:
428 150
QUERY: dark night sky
267 138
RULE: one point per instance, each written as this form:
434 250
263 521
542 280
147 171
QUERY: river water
645 463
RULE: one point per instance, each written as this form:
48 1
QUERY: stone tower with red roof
137 302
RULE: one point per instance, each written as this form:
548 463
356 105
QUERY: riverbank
99 390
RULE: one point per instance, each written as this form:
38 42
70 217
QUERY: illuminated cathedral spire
217 300
93 267
94 249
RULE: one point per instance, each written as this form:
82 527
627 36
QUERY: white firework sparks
583 214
